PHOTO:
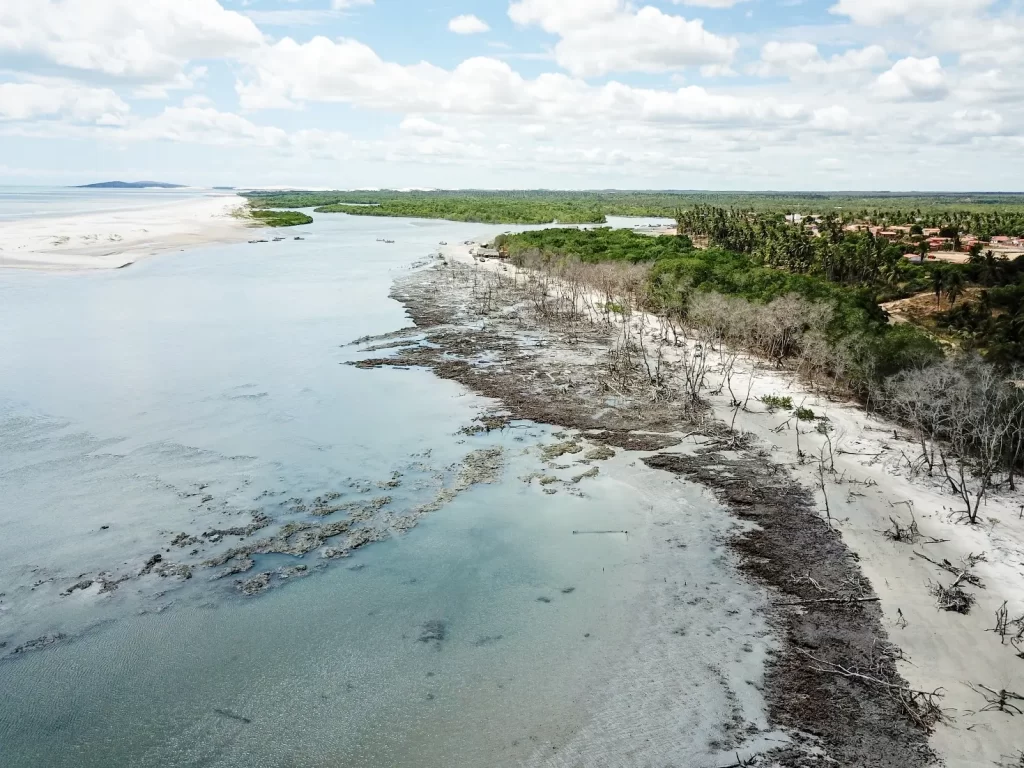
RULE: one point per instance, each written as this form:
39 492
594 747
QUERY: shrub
777 402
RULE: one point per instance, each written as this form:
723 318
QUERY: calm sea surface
220 369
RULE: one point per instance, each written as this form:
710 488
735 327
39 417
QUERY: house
931 231
889 234
939 243
1001 240
488 253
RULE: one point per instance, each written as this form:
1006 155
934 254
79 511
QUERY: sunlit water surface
221 367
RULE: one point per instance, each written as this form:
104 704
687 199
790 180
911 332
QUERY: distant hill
131 185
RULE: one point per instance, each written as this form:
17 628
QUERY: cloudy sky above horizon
676 94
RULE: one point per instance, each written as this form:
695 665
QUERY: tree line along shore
801 290
964 402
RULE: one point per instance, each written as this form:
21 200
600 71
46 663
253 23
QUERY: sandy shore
112 239
958 655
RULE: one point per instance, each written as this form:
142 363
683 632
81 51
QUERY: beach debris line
580 533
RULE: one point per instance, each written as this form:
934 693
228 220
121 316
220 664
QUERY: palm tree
923 248
938 282
954 287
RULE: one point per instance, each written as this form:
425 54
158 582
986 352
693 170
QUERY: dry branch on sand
920 706
999 701
905 534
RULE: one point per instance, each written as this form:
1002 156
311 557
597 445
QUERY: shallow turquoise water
220 368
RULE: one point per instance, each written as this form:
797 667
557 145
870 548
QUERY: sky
525 94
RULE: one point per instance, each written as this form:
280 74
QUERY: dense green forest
476 210
271 218
991 323
544 206
858 331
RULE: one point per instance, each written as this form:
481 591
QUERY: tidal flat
405 588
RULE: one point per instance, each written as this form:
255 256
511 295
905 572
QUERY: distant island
131 185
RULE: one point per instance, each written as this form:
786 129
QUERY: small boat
300 238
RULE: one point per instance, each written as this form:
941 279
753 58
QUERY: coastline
894 611
115 239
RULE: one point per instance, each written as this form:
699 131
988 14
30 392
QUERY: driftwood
835 600
999 701
963 574
920 706
578 533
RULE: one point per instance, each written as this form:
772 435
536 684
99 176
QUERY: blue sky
684 94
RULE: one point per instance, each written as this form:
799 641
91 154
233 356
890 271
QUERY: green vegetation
857 342
777 402
822 321
992 324
855 258
269 218
543 206
476 210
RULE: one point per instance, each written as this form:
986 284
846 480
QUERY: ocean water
487 635
36 202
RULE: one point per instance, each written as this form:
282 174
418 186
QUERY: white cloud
206 125
290 73
647 41
420 126
835 119
718 70
340 5
197 100
985 41
877 12
74 103
605 36
467 24
978 122
564 15
148 40
913 79
797 59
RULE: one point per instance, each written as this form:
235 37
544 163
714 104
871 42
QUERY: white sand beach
959 655
112 239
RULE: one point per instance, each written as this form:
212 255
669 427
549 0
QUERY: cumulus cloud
290 73
981 122
146 41
835 119
877 12
420 126
467 24
799 59
206 125
604 36
70 102
913 79
565 15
